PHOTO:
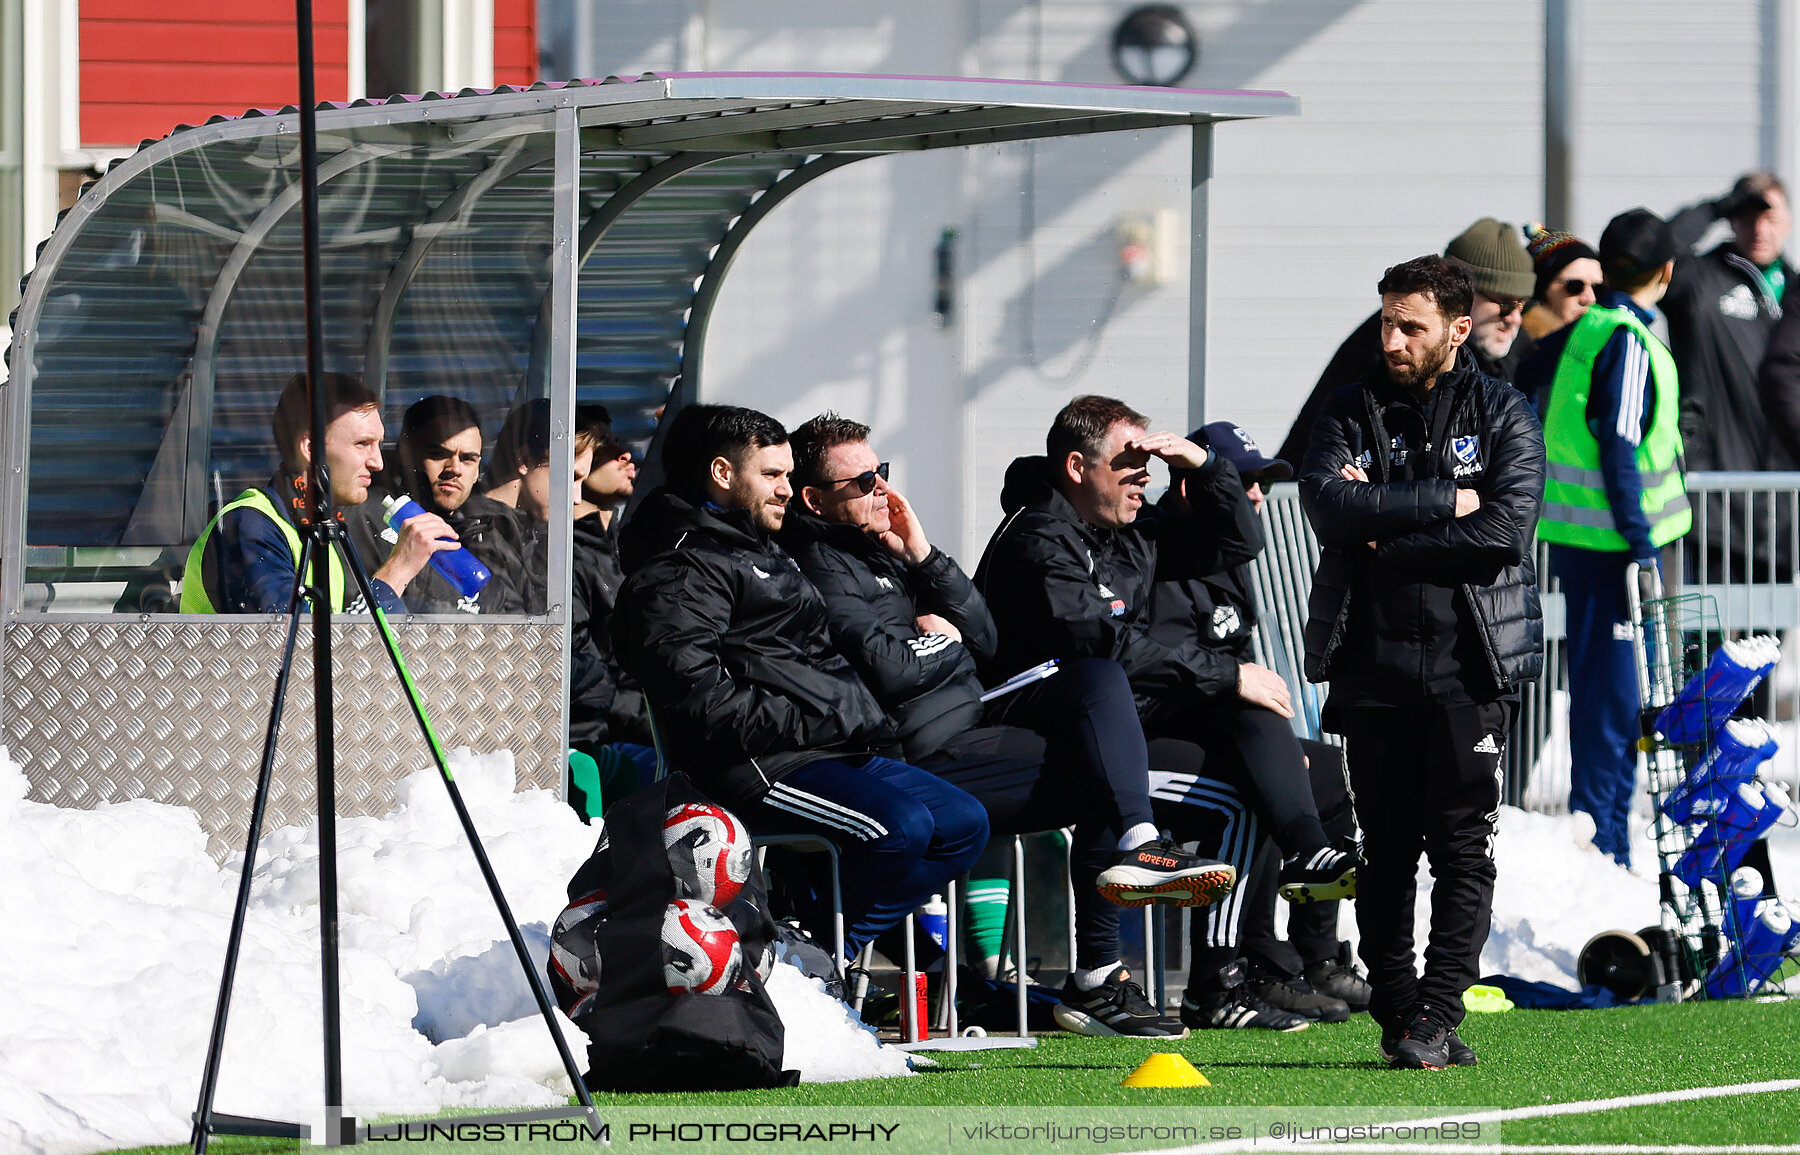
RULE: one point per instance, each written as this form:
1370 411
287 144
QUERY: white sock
1138 835
1088 980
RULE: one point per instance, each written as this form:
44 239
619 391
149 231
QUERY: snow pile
116 926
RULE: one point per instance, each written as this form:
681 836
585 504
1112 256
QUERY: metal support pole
1562 79
1199 247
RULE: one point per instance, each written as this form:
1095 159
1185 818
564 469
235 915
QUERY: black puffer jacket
732 647
1211 600
491 531
1445 606
1720 319
1061 588
926 682
605 704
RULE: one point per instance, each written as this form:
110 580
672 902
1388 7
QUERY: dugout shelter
563 241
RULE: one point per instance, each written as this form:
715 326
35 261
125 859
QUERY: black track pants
1257 747
1425 778
1312 926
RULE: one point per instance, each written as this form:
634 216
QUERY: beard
1418 374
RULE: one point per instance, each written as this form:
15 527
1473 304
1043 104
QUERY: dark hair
524 441
427 423
1438 277
814 441
593 427
700 433
1750 188
293 416
1085 423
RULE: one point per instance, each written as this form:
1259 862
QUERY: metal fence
1741 554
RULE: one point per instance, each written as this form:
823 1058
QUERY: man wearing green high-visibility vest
1613 497
245 561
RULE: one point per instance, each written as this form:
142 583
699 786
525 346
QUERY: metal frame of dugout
565 241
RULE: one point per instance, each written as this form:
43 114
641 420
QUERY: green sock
984 913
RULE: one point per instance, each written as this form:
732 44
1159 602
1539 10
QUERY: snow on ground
116 921
116 924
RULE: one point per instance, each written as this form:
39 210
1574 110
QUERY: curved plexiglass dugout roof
563 241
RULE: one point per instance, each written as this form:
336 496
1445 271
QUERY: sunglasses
1507 305
1575 286
864 481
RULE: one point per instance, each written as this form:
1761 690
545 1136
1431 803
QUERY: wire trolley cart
1719 935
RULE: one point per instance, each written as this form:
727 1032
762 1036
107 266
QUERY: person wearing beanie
1614 497
1493 255
1567 279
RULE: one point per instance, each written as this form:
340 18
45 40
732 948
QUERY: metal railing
1741 553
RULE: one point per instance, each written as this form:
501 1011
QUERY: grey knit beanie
1491 252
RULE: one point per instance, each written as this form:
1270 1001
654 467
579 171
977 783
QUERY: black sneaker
1424 1043
1115 1007
1459 1053
1236 1007
1319 876
1297 995
1161 872
1339 979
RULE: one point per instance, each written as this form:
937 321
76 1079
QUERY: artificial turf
1527 1058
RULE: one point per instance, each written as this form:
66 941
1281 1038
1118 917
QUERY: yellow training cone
1166 1069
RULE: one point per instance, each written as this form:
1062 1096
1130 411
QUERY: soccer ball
709 852
701 951
574 960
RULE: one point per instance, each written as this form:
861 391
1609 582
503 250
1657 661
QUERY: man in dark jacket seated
246 559
1071 751
439 453
607 720
732 647
1308 973
1068 575
1423 483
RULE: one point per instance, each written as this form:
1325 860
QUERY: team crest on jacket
1225 620
1468 454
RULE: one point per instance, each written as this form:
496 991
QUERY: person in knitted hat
1491 252
1568 279
1494 257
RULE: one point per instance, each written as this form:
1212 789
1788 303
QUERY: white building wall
1417 118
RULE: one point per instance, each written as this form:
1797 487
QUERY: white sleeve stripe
1631 393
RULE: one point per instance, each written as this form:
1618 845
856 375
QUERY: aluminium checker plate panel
175 712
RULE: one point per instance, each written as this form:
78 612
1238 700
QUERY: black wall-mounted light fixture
1155 45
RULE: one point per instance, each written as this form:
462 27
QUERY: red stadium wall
515 42
148 65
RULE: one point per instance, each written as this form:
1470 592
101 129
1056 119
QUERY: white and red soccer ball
701 950
709 852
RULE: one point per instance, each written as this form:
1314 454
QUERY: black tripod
323 539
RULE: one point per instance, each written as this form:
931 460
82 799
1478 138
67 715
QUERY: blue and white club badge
1467 449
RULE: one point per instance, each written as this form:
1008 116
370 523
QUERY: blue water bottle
462 569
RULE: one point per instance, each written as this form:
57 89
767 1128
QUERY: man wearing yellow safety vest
245 561
1613 496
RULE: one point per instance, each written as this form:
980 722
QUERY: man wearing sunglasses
1064 750
749 697
1493 254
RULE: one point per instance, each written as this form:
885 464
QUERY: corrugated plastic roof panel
165 312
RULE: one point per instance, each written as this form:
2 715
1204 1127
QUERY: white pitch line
1582 1107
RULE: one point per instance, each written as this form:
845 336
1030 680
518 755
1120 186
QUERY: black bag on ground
612 971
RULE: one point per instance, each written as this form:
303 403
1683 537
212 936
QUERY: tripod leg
215 1049
355 566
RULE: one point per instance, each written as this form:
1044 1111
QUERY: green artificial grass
1527 1058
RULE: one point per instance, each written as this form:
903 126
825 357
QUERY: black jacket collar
666 518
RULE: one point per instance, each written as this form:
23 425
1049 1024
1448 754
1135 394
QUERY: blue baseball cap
1236 446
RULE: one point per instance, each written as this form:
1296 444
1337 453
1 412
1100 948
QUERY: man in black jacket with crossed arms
1423 484
1063 750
